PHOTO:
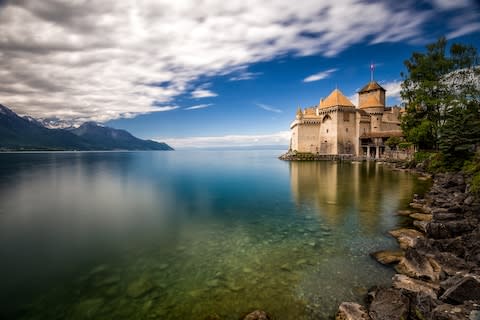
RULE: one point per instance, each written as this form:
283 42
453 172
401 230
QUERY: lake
191 234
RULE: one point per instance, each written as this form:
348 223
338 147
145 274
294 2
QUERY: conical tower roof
336 98
372 85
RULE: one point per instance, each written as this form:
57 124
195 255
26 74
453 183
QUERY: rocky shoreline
438 263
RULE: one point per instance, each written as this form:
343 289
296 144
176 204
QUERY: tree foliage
436 85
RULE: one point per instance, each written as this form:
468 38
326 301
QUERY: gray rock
351 311
450 312
469 200
422 306
389 304
468 288
418 266
406 238
400 281
421 216
421 225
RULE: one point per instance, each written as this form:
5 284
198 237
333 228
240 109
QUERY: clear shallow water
191 234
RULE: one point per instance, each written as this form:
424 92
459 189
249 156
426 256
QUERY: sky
210 73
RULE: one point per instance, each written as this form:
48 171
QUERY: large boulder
406 238
351 311
389 304
454 312
400 281
450 263
449 229
422 305
418 266
466 289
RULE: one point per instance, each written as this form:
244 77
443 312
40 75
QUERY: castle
336 126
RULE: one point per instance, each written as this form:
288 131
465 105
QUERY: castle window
327 130
346 116
346 129
377 119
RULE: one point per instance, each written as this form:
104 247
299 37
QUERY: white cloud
268 108
203 93
354 98
199 106
164 108
319 76
245 75
449 4
79 60
393 89
278 138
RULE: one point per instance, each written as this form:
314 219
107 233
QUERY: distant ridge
27 133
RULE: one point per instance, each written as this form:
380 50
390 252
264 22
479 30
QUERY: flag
372 66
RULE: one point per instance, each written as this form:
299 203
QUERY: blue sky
210 73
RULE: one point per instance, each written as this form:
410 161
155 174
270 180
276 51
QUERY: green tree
459 137
436 83
393 142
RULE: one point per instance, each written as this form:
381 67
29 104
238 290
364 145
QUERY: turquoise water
191 234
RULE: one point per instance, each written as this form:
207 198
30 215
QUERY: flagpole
372 68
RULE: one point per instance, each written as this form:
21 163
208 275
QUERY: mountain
111 139
26 133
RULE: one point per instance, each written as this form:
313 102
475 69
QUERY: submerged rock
404 212
257 315
351 311
388 256
213 283
139 287
87 309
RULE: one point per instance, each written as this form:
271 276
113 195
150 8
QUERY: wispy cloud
393 89
244 76
199 106
354 98
278 138
268 108
77 61
320 75
203 93
164 108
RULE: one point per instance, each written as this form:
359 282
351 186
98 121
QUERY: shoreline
438 260
289 156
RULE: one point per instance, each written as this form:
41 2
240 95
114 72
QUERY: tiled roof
372 85
336 98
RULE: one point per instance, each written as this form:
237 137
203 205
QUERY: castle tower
371 98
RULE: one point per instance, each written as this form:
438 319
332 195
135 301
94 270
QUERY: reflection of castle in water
341 190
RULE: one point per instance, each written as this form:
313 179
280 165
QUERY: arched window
327 117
